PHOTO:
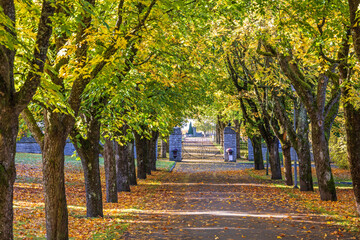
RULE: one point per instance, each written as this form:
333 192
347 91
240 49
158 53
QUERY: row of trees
93 71
288 66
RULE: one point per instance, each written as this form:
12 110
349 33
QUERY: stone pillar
229 142
250 150
175 142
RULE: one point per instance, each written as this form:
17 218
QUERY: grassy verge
36 159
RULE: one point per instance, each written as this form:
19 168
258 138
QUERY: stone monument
175 145
229 144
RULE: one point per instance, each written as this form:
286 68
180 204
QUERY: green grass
114 232
164 165
36 159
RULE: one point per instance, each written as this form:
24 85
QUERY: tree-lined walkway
198 204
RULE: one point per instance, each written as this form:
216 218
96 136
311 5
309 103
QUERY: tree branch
35 130
32 81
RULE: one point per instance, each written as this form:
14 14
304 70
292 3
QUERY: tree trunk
148 156
352 124
274 158
8 133
258 157
299 139
122 167
163 149
304 155
287 163
88 150
131 162
152 150
302 148
352 114
168 145
237 129
110 172
141 154
217 133
322 160
56 213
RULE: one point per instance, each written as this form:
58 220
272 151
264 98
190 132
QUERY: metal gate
200 148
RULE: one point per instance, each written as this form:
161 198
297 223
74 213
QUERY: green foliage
338 152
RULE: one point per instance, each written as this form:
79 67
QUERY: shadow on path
215 204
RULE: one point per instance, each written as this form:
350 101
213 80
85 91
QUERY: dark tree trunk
148 156
352 114
322 160
152 150
88 150
299 139
56 214
110 171
274 159
287 164
258 157
12 103
132 170
168 145
217 133
163 149
237 129
122 157
141 155
8 134
352 124
303 150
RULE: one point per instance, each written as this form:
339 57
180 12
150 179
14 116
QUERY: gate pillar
175 145
229 144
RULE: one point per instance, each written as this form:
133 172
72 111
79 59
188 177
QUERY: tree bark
141 155
299 139
303 150
287 164
110 172
258 157
88 150
12 103
237 129
132 170
352 124
163 149
322 160
56 213
122 167
217 133
274 159
8 133
147 159
352 114
152 150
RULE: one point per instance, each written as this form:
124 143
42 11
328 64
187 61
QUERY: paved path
201 201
